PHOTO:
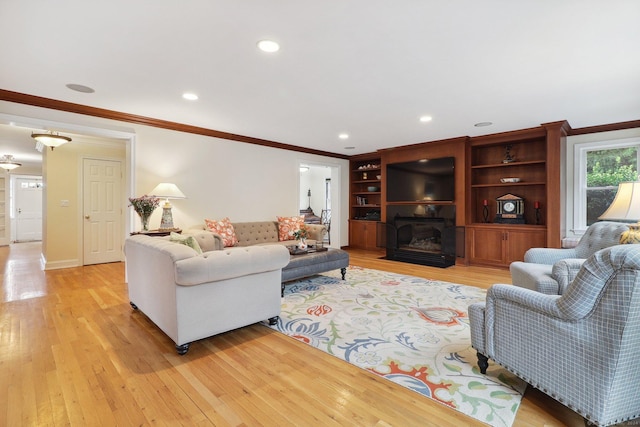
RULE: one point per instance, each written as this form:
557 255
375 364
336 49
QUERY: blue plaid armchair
583 347
540 270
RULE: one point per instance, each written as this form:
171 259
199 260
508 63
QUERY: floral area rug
409 330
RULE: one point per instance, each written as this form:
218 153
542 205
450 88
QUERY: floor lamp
166 191
626 207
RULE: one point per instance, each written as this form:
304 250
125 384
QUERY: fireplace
422 240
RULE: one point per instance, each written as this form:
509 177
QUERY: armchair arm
548 256
565 271
527 298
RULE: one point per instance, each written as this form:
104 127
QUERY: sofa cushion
224 228
287 225
186 240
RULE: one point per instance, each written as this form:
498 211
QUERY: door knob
87 216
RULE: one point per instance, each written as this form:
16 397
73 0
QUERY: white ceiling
369 68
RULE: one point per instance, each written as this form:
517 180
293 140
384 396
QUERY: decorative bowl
509 180
378 177
373 189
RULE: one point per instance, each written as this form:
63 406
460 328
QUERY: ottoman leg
343 271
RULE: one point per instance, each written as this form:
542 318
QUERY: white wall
219 177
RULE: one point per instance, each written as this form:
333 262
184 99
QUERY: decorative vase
144 218
302 244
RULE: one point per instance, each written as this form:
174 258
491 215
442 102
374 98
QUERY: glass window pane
598 201
605 170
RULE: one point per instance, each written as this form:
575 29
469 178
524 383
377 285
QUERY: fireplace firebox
421 240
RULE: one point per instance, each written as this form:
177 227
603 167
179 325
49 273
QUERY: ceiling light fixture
425 119
190 96
268 46
483 124
343 136
50 139
80 88
7 162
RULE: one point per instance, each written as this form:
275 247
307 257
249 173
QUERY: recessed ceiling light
425 119
268 46
343 136
190 96
483 124
80 88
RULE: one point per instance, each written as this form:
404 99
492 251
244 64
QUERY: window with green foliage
602 169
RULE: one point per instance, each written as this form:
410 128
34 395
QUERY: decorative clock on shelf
510 209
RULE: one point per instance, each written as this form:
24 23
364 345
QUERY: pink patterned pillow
287 225
225 229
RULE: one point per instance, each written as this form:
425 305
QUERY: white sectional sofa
191 296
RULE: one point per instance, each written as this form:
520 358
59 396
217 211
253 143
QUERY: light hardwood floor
73 352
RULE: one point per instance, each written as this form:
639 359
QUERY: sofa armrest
316 231
207 240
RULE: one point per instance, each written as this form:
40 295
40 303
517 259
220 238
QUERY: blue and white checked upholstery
582 347
536 272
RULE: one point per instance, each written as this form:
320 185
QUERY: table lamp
166 191
626 207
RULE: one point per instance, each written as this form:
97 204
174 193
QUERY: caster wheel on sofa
182 349
135 307
273 320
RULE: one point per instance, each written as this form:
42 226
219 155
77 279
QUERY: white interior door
102 183
28 208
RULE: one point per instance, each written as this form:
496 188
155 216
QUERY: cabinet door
519 241
357 234
363 234
486 245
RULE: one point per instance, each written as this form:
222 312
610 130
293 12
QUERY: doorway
319 192
26 207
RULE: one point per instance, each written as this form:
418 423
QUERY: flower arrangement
302 233
145 205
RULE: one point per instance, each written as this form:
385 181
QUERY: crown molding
54 104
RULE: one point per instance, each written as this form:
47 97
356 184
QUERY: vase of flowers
144 206
301 235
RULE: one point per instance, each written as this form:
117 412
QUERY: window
600 167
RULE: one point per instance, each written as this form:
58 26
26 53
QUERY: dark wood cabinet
365 201
498 245
363 234
525 164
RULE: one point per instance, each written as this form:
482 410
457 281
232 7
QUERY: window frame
580 175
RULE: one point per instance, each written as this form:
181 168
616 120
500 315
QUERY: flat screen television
426 180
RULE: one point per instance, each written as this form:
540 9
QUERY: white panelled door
102 183
28 208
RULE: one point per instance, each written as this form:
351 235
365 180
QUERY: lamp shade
626 204
167 190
